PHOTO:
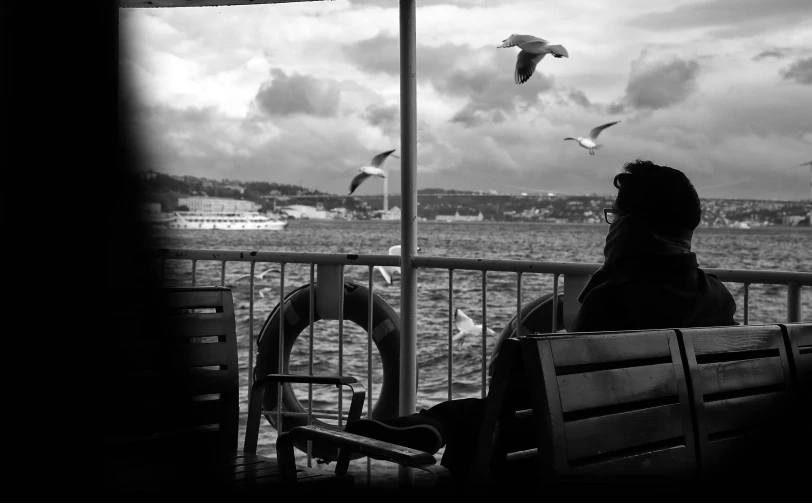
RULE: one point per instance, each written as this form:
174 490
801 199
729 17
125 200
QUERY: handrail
430 262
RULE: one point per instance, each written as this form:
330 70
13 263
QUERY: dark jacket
651 279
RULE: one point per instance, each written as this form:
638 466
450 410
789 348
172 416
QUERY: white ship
235 220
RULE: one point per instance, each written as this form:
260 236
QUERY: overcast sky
305 93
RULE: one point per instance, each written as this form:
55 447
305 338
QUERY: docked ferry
236 221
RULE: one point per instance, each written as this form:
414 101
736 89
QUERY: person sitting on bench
650 279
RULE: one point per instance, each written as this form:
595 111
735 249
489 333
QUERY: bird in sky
533 50
374 169
257 277
589 143
466 327
389 271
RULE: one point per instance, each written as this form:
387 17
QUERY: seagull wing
394 250
358 180
593 135
266 271
463 322
385 273
378 159
516 39
525 65
244 276
558 51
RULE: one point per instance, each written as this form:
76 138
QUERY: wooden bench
656 412
177 430
663 411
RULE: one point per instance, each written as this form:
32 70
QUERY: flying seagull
533 50
466 326
257 277
389 271
374 169
589 143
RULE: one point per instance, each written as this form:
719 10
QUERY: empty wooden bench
177 428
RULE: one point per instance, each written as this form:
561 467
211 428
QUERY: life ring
537 318
385 332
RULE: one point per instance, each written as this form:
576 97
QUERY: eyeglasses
610 214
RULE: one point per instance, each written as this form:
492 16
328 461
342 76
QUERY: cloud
425 3
482 77
799 71
381 54
297 94
579 98
657 82
775 52
732 18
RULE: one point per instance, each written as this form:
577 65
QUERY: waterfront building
300 211
460 218
218 204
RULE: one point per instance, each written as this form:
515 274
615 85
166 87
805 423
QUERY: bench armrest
349 443
258 391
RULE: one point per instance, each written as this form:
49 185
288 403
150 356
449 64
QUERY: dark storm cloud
491 92
382 114
578 97
657 83
292 94
799 71
423 3
384 117
734 17
483 76
775 52
381 54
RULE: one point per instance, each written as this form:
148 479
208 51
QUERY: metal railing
794 281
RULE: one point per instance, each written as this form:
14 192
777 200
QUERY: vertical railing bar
370 327
450 329
222 273
553 329
484 390
194 272
793 302
341 348
311 316
281 348
747 303
251 325
518 304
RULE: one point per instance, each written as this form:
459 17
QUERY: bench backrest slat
611 403
798 339
741 381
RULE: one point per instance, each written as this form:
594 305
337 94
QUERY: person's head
659 195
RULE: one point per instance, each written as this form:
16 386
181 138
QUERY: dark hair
660 195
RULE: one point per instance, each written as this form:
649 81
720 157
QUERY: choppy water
787 249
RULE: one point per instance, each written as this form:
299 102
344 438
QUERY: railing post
408 219
793 302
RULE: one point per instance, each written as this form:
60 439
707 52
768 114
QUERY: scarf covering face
634 248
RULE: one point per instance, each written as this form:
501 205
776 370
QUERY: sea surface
771 248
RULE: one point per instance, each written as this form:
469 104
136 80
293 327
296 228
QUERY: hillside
164 189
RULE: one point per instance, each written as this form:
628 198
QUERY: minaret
385 195
810 177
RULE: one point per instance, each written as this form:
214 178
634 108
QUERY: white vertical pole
385 194
408 220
